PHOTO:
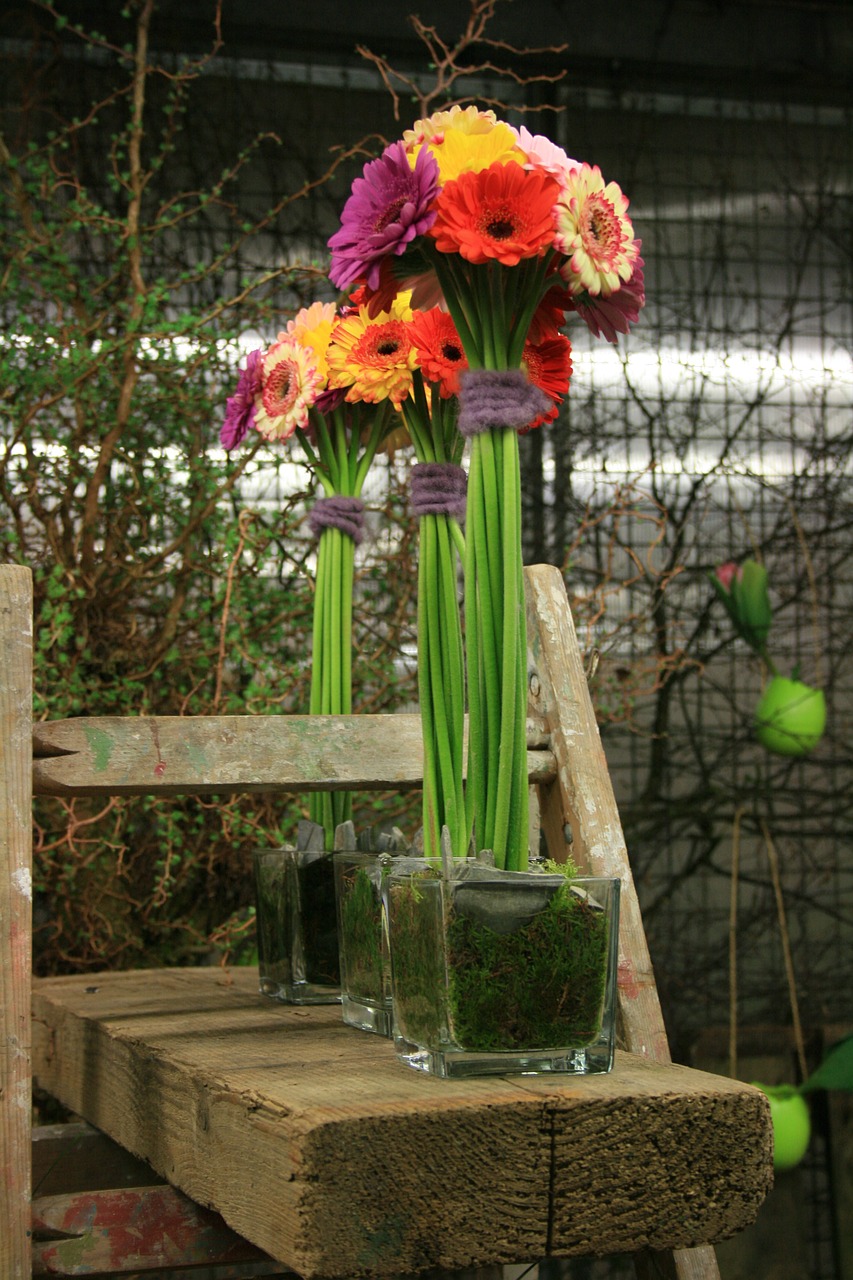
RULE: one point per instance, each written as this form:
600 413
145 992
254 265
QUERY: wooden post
16 896
579 814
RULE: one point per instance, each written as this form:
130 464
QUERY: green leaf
836 1070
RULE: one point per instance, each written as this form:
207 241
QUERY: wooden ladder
195 1074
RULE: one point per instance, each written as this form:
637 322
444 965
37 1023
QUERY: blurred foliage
169 578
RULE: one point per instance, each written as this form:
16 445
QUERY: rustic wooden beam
221 755
316 1144
16 895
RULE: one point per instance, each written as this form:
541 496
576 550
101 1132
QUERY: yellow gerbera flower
372 358
432 128
460 152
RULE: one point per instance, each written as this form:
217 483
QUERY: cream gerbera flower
291 384
595 233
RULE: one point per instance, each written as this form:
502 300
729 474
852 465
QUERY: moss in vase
361 926
539 986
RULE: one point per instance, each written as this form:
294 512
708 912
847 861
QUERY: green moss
361 930
541 986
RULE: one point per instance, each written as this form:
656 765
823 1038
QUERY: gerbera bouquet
323 383
515 235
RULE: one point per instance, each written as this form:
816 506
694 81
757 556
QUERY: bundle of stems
340 447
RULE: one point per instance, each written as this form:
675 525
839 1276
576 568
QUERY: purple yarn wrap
494 399
439 489
346 514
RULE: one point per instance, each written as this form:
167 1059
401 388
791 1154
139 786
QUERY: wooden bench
307 1137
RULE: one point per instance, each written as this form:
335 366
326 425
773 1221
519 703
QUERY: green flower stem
441 666
340 458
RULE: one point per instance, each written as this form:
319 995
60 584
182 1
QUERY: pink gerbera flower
390 205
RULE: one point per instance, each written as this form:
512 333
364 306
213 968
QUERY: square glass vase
363 941
297 928
509 973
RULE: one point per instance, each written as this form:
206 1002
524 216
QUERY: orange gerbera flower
549 366
503 213
439 350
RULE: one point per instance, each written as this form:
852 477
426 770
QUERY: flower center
500 228
389 214
281 389
451 352
600 229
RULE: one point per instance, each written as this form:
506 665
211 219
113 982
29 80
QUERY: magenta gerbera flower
240 408
610 316
389 206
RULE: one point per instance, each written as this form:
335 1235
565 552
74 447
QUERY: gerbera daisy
432 128
373 358
549 367
458 152
542 153
595 233
291 382
312 326
241 408
607 316
389 206
439 350
503 213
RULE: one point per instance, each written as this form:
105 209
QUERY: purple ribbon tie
494 399
438 489
337 512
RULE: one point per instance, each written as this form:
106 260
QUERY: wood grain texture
314 1143
579 816
581 799
16 896
221 755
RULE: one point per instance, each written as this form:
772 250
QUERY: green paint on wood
197 757
101 746
386 1241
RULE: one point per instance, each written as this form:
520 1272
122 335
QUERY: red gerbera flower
439 350
549 367
504 213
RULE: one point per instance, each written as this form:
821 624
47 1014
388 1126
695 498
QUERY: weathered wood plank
174 755
579 814
312 1141
581 799
15 918
130 1230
